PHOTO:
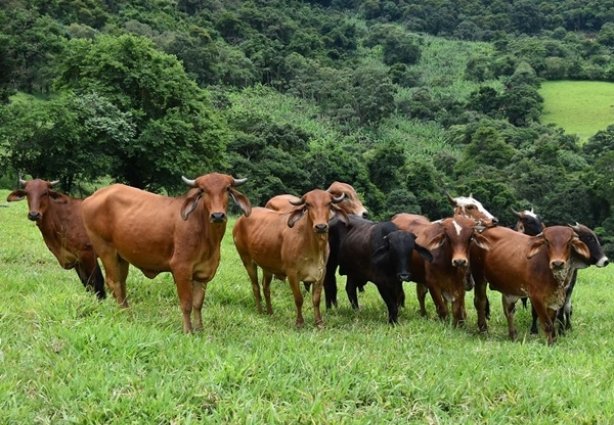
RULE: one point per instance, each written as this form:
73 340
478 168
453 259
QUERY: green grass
67 359
580 107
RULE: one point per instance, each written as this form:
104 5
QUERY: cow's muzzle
34 216
460 262
218 217
404 277
557 264
603 262
321 228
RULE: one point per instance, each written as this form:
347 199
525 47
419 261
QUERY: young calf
518 265
374 252
292 244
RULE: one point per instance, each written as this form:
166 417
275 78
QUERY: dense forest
403 99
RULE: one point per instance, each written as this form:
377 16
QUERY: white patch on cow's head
530 214
603 261
458 227
465 201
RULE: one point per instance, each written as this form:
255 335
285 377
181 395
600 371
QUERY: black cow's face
529 223
586 235
395 254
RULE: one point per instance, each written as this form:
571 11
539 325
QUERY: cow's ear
424 253
341 214
241 200
480 241
380 255
536 244
190 204
581 248
296 215
58 197
16 195
435 241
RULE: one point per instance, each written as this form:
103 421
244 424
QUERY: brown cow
292 244
518 265
58 218
445 276
351 204
160 234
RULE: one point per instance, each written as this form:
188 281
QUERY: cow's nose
218 217
34 215
321 228
365 215
495 220
459 262
558 264
405 277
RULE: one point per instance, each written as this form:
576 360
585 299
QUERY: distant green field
580 107
66 358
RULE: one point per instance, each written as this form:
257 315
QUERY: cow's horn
337 199
22 181
191 183
238 182
53 183
450 198
515 212
575 227
299 202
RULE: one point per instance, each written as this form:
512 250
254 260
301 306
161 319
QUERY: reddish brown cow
58 218
351 204
160 234
518 265
445 276
292 245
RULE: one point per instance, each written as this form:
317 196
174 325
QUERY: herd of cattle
310 239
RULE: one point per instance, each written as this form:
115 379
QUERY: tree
176 130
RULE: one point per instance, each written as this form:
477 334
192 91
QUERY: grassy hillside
66 358
580 107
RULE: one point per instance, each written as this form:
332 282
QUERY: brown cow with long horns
160 234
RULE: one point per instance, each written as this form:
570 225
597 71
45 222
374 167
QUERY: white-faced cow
289 244
58 218
518 265
160 234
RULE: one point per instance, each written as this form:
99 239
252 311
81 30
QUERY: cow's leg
298 299
183 282
480 300
391 302
534 318
90 275
252 271
266 287
116 273
198 297
316 294
509 308
547 318
458 309
421 292
330 287
440 303
350 288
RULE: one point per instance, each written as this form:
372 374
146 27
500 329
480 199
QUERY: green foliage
176 130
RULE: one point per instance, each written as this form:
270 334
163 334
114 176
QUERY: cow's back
133 222
355 250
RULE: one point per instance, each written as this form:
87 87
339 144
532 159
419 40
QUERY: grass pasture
67 359
580 107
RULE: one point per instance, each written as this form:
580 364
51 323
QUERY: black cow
373 252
